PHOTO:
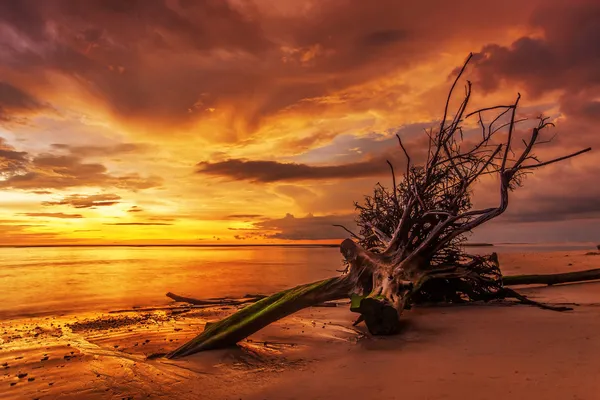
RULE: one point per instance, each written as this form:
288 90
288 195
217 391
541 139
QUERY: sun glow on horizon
268 130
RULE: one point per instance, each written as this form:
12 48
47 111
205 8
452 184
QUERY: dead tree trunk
507 280
380 316
408 249
252 318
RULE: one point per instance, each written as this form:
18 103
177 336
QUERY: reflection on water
62 280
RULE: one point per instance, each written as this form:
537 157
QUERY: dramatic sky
200 121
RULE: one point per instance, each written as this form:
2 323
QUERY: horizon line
196 245
332 245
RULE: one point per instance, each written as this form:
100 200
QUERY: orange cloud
53 215
50 171
82 201
291 107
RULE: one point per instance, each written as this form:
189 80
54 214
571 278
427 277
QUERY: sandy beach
299 200
483 351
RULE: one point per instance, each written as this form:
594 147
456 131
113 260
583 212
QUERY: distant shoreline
166 245
197 245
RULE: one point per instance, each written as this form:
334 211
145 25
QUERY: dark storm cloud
108 44
273 171
566 57
225 53
372 152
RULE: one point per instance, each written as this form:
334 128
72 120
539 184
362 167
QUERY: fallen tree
510 280
409 248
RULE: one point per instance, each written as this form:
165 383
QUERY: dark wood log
380 317
226 301
552 279
216 301
238 326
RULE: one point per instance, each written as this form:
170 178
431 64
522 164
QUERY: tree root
510 293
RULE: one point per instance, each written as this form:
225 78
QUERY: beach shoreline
483 351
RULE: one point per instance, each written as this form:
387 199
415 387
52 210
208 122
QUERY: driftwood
507 280
254 317
552 279
409 247
266 310
216 301
229 301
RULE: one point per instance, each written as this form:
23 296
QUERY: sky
263 121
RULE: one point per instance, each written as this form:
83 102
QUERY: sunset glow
263 121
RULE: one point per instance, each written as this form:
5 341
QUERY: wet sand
445 352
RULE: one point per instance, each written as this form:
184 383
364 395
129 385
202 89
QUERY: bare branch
462 70
407 157
556 159
349 231
395 189
487 109
510 132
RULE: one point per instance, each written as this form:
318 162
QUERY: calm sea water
52 281
63 280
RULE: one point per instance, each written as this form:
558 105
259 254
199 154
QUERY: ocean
62 280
